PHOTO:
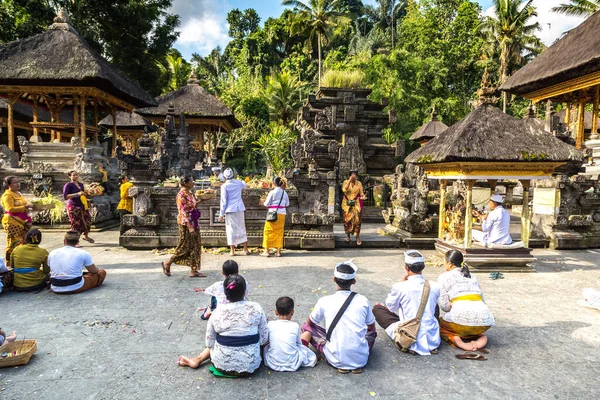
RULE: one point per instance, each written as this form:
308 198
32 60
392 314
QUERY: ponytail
456 258
464 270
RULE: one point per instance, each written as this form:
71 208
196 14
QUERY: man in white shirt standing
352 338
66 268
233 212
495 225
402 304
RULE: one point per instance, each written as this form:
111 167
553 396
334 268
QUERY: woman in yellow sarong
125 205
466 315
352 205
16 219
277 200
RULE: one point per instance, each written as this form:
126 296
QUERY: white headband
228 173
341 275
413 259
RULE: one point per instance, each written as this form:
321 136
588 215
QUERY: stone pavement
121 341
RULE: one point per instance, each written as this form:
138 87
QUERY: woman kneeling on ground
234 335
30 264
466 316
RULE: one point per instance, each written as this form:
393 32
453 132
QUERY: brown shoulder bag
406 332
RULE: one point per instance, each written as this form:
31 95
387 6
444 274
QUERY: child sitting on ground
216 290
8 339
285 351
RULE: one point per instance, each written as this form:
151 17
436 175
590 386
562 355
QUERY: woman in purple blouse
77 206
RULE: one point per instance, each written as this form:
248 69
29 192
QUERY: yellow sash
468 297
84 202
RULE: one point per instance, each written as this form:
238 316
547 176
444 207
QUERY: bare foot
347 240
358 242
232 253
247 252
12 337
278 254
265 254
166 269
187 362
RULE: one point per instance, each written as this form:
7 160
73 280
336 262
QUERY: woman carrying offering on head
16 219
30 264
189 248
466 315
232 211
277 200
234 334
126 202
77 206
352 205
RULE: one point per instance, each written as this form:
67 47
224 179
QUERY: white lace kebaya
242 318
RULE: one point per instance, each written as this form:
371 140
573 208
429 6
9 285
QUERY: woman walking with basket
277 201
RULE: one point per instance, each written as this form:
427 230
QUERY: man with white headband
402 304
495 225
233 212
350 331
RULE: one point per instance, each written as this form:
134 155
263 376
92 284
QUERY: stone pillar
468 213
82 101
595 113
580 123
442 213
12 99
525 223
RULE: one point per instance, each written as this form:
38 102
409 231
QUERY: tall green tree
578 8
511 34
283 96
319 16
176 69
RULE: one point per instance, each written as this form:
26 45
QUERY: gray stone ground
121 341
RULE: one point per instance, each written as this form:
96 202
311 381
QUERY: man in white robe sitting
495 225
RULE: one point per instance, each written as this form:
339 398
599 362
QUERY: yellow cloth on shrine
126 202
273 233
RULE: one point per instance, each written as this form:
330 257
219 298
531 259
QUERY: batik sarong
189 250
80 219
449 331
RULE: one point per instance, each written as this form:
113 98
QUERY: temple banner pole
468 214
525 223
580 123
442 213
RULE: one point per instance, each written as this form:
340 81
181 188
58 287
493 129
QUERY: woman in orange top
16 219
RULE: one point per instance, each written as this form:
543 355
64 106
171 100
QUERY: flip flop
166 271
347 240
89 240
483 350
219 374
357 371
496 275
343 371
199 275
470 356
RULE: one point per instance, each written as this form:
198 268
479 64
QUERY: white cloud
553 25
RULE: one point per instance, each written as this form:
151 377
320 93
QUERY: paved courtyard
121 341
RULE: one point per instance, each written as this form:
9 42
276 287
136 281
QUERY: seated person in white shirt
403 303
351 340
285 351
66 268
495 225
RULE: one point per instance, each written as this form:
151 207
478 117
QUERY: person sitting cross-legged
346 345
495 225
66 266
402 304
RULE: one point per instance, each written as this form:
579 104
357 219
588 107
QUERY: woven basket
171 184
207 196
43 207
24 349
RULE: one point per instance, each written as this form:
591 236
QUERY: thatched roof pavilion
431 129
568 71
488 144
23 115
206 115
130 126
57 68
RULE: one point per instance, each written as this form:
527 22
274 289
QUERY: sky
204 25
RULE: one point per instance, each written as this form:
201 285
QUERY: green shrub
343 79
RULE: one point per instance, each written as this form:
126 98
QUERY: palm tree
283 95
578 8
511 34
386 15
177 69
318 16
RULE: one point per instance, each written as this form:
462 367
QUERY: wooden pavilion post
468 213
580 123
95 121
201 137
595 113
209 143
568 115
35 119
442 213
113 153
76 115
525 223
12 99
82 101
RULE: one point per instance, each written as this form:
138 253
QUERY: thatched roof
430 130
126 120
194 101
60 57
587 118
487 134
24 112
576 54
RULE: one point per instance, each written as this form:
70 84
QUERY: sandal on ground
277 254
483 350
496 275
89 240
166 271
357 371
247 252
205 317
197 275
347 240
435 351
265 255
470 356
343 371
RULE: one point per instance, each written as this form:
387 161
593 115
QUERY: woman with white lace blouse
234 335
466 315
